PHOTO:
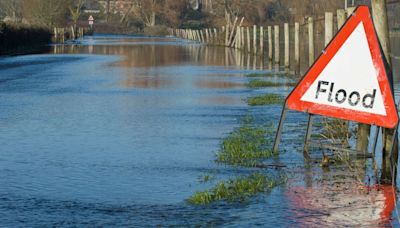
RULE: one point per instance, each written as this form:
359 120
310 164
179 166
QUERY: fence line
257 41
60 35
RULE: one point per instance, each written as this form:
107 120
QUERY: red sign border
294 102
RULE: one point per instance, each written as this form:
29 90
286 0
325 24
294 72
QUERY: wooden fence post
255 39
297 47
215 36
63 35
328 27
239 40
243 39
389 154
341 17
270 44
310 41
55 34
276 44
262 40
232 32
350 11
227 35
248 40
202 36
73 33
287 45
237 37
198 35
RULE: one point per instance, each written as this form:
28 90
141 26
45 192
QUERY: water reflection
343 204
142 59
146 63
147 52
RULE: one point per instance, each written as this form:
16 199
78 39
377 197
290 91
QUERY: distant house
92 7
91 11
115 6
205 5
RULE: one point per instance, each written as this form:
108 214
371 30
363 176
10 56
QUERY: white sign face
90 22
350 79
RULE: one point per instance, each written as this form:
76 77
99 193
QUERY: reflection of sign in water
342 205
349 80
91 20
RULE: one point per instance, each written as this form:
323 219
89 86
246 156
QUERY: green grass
266 99
246 146
206 178
256 83
237 190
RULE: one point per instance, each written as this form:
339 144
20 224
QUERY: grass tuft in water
206 178
266 99
257 83
237 190
246 146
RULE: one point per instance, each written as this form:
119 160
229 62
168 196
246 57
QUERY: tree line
143 14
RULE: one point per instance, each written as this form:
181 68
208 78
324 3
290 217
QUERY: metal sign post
91 22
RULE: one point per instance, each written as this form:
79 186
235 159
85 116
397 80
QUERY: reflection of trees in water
147 82
148 55
137 53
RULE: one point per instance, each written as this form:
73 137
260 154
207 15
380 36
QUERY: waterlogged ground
120 131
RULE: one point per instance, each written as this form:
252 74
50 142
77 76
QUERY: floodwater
119 130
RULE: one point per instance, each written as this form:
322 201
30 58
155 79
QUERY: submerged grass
266 99
237 190
246 146
256 83
206 178
336 131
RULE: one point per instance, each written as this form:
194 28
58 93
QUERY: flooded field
121 131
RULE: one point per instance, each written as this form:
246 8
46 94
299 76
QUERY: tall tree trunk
108 10
153 19
126 13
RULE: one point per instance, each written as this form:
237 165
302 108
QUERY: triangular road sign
91 18
349 80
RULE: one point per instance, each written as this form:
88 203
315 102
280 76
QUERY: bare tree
11 9
108 10
45 12
75 9
144 10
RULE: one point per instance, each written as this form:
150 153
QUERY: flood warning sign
349 80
